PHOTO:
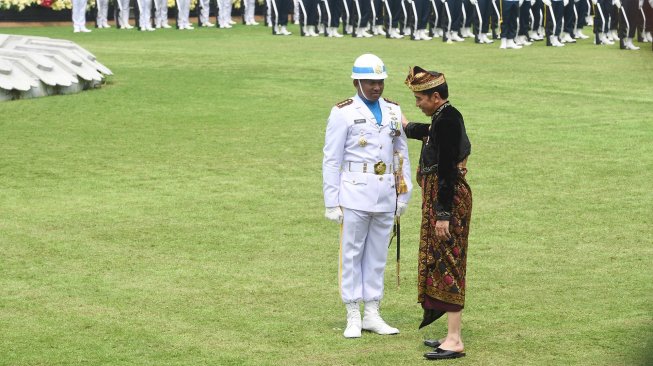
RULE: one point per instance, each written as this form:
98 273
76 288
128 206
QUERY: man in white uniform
183 13
224 14
79 16
123 14
102 14
364 138
204 13
161 14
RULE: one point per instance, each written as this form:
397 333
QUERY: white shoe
504 43
333 32
418 36
510 44
189 27
349 29
166 26
354 326
373 322
425 36
378 30
283 31
253 22
208 24
232 22
394 33
628 43
128 26
484 39
466 32
555 42
566 38
615 35
522 41
535 36
456 38
226 26
579 34
589 20
150 29
362 33
438 32
321 29
647 37
603 37
312 32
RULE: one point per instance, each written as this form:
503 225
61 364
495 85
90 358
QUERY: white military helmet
368 67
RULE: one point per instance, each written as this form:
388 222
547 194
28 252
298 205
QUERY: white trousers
123 13
183 12
249 10
160 12
145 19
364 250
102 12
204 10
79 14
224 12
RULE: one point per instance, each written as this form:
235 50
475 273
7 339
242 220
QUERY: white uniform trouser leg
123 14
249 10
161 12
145 19
295 14
184 13
102 12
204 11
365 237
268 12
79 14
225 12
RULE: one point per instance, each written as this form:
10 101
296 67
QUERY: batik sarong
443 263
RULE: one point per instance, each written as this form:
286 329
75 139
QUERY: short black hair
441 89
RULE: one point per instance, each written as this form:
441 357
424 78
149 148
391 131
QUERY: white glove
650 2
641 3
334 214
616 3
594 2
547 2
401 208
473 2
532 2
565 2
521 2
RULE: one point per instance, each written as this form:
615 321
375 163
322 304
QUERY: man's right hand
334 214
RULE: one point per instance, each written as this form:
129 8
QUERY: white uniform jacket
354 138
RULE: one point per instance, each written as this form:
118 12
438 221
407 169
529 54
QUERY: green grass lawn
175 216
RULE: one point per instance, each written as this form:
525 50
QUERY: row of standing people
516 23
153 14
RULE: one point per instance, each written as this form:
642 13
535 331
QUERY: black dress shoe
440 354
432 343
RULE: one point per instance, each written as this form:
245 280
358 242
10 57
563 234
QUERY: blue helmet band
365 70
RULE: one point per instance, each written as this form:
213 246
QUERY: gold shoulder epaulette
344 103
390 101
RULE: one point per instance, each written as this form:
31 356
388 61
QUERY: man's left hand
442 230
